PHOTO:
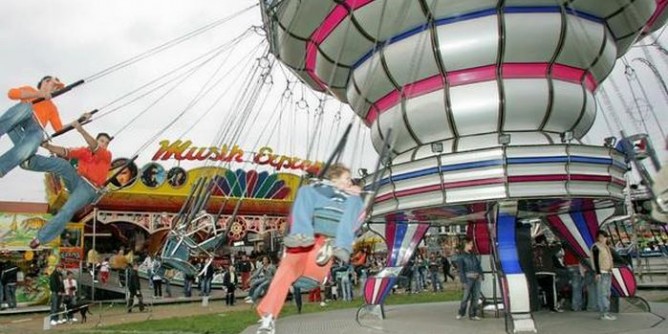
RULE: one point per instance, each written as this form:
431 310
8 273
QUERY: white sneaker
267 325
54 323
324 254
62 321
323 304
74 320
475 318
248 301
608 316
459 317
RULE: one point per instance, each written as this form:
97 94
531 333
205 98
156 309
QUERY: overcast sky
76 39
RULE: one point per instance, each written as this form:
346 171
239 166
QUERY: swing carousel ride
487 103
481 111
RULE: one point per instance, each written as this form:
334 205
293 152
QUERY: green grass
234 322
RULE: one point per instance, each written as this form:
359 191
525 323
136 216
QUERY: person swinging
24 122
83 183
322 210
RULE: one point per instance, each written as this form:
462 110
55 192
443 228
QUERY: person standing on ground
104 271
445 263
57 289
576 278
9 275
546 273
230 282
433 273
134 287
69 300
93 262
470 274
207 277
603 264
3 264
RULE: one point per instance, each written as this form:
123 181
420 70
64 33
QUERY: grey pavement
440 318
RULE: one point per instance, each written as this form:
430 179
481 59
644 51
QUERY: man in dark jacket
543 262
470 274
134 287
2 286
9 282
57 288
446 265
230 281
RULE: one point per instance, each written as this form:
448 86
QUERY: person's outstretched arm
90 140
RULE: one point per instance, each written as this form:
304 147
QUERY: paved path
439 318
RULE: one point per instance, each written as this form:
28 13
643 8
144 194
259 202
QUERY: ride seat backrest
176 254
213 243
184 266
306 283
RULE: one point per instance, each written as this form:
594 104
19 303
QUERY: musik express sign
183 150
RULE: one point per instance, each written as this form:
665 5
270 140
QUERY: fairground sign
183 150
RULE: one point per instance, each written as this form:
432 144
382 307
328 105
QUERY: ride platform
439 318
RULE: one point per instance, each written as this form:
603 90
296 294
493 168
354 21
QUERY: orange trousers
292 267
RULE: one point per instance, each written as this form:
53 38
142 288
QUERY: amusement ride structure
483 107
487 102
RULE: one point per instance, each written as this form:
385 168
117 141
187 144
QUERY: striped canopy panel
478 93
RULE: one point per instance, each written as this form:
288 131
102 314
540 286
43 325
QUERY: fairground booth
250 203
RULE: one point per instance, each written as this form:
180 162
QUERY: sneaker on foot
298 240
324 254
62 321
475 317
459 317
267 325
557 310
54 323
248 301
608 316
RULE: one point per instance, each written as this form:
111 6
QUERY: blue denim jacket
468 263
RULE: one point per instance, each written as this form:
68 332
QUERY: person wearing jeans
26 137
57 289
23 122
470 274
82 183
346 286
603 264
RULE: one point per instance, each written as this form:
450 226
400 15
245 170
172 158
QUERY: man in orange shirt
24 122
83 183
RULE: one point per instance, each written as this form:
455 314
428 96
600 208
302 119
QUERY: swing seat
213 243
306 283
176 252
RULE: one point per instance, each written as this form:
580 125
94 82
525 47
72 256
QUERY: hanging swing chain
220 97
173 87
224 47
167 45
630 74
175 119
